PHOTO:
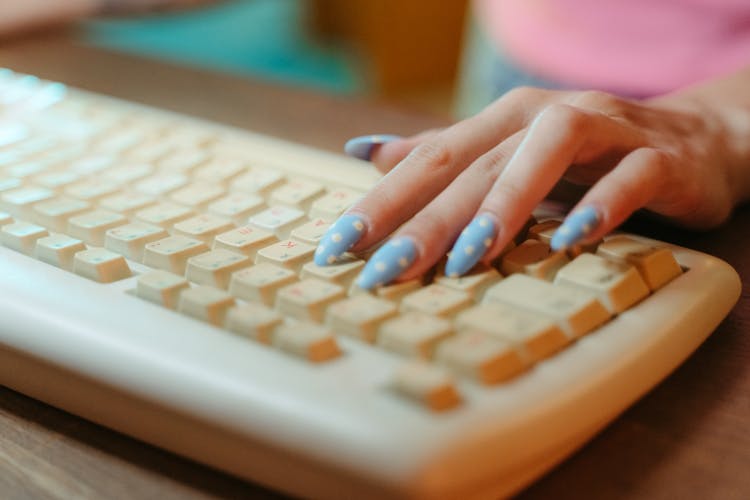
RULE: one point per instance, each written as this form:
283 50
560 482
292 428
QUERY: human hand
670 155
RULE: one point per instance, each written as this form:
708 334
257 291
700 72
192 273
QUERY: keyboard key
160 184
130 240
205 303
544 230
534 258
164 215
203 227
5 219
9 183
56 180
260 282
58 250
414 334
237 206
538 336
297 193
617 284
183 160
127 203
221 170
436 299
656 264
120 141
92 189
197 195
161 287
127 173
287 253
360 316
91 227
475 282
19 202
172 253
311 232
244 240
343 272
308 299
100 265
92 164
306 340
577 311
150 152
277 220
257 181
428 385
254 321
55 213
394 292
22 236
480 356
333 204
215 267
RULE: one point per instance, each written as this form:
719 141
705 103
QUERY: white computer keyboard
156 277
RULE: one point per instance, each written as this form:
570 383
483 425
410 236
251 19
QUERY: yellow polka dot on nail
331 259
380 267
358 225
403 262
483 222
469 249
336 237
488 242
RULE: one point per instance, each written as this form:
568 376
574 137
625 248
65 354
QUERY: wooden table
688 438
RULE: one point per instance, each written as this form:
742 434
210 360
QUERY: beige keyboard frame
330 430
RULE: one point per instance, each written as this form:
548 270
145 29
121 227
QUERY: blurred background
405 53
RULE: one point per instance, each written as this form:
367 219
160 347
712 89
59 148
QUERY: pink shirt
632 46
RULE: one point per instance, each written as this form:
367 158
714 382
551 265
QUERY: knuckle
492 162
520 94
597 100
433 154
565 117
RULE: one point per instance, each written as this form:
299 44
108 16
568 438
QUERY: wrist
727 122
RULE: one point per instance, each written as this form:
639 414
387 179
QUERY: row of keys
63 251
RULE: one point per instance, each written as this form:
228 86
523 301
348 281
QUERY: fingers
560 137
635 182
426 237
414 182
392 153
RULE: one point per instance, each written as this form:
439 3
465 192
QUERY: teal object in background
262 38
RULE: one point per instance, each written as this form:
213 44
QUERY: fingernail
388 263
575 227
339 238
361 147
473 242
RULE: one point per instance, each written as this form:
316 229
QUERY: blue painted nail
339 238
575 227
361 147
388 263
474 241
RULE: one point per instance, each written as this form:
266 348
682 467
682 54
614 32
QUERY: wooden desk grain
688 438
